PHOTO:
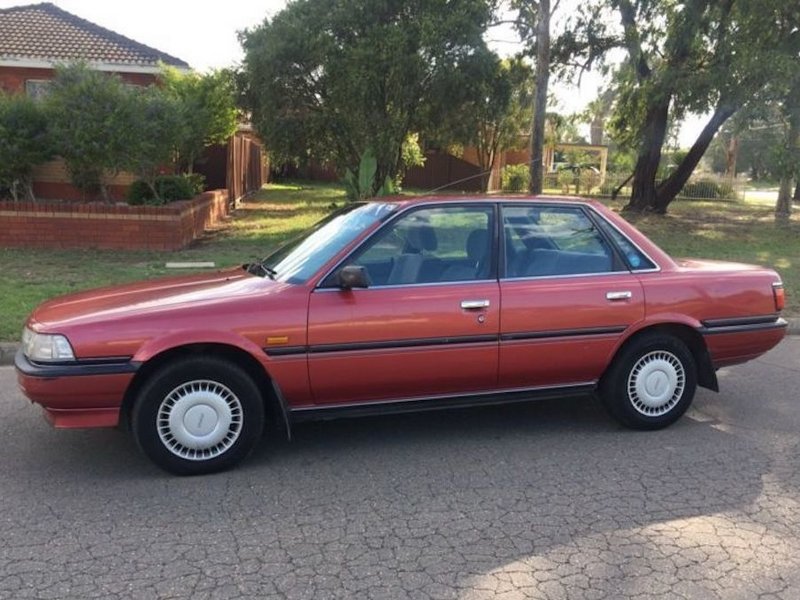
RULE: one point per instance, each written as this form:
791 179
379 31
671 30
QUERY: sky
204 34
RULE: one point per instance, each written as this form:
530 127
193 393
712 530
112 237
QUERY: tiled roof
46 32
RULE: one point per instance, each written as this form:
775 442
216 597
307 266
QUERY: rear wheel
651 382
198 415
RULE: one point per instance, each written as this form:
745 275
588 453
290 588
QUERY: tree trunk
28 182
783 208
151 183
643 194
486 158
796 196
596 129
536 165
731 156
670 187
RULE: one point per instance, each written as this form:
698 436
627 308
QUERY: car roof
477 198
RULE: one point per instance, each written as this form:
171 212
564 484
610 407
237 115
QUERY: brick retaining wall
108 226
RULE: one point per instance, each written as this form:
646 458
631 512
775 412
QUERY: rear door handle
626 295
474 304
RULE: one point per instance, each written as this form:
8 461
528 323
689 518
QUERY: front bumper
77 395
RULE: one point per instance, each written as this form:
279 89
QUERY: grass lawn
743 231
278 212
735 231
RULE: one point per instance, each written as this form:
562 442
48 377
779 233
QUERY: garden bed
110 226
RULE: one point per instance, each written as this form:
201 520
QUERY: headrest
420 236
477 244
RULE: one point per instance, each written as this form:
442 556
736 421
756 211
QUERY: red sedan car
400 305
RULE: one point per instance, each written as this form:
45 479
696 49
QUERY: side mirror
352 276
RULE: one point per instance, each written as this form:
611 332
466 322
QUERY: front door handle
626 295
474 304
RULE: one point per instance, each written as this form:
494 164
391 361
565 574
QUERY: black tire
198 415
651 382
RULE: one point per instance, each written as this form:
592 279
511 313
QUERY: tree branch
632 40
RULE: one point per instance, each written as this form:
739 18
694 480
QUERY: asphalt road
547 500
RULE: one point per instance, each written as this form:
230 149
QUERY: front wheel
197 416
651 382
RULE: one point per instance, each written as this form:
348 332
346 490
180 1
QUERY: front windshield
299 259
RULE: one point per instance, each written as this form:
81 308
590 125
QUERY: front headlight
44 347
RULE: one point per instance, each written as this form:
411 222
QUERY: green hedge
706 189
515 178
169 187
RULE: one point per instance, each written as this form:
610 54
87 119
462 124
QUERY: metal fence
590 184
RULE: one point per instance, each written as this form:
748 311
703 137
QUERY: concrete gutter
7 352
9 349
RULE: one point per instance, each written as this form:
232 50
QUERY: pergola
601 152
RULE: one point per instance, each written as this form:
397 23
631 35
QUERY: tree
789 86
597 114
208 110
327 79
493 109
90 124
158 126
688 55
24 143
533 25
540 97
747 143
789 154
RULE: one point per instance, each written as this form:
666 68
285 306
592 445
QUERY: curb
7 352
9 349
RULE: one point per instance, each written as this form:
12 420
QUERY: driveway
547 500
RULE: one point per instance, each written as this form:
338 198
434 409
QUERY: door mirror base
352 276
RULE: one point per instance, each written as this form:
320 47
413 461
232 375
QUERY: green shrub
24 143
90 124
362 185
169 187
707 189
606 189
197 181
726 191
515 178
702 190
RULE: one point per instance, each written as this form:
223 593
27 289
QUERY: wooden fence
240 166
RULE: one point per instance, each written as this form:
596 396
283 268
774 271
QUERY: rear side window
634 258
547 241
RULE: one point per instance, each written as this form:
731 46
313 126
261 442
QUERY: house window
37 88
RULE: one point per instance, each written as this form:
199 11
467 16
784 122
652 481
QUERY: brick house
37 37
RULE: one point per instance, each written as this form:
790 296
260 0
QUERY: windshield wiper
260 269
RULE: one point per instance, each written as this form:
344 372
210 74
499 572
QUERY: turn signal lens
780 296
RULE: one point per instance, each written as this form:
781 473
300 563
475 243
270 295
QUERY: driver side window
432 245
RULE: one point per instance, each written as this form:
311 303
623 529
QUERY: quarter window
546 241
635 258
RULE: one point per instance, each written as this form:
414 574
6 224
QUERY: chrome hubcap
656 383
199 420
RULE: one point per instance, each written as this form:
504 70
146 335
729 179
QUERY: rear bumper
733 343
85 394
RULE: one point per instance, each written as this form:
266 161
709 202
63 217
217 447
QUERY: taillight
780 296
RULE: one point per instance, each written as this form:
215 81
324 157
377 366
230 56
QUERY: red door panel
562 330
404 341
